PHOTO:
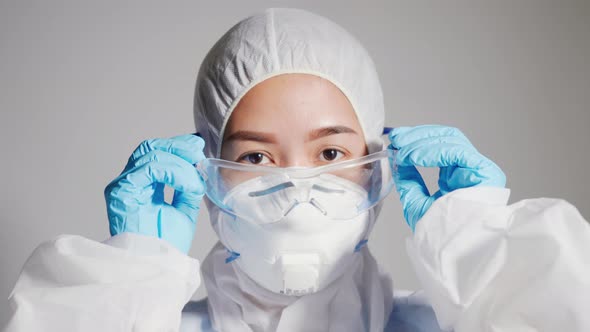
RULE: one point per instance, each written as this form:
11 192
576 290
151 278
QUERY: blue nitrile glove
461 166
135 199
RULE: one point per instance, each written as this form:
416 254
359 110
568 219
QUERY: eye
331 155
255 158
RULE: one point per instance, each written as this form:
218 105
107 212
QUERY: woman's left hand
461 166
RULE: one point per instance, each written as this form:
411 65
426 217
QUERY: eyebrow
327 131
245 135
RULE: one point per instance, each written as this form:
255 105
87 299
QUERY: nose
293 159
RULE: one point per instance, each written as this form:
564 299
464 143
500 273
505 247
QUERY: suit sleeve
489 266
128 283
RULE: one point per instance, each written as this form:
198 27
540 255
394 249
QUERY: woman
294 92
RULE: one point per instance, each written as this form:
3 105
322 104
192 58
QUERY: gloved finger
451 178
179 174
188 147
136 187
156 156
409 182
441 152
414 194
188 203
402 136
123 203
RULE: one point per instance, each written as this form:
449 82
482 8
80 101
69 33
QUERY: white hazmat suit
484 265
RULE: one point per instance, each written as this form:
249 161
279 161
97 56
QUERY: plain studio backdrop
83 83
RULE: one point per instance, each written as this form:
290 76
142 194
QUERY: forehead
292 103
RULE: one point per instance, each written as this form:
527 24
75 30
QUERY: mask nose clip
302 195
313 202
318 206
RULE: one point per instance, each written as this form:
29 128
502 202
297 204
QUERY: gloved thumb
414 194
177 231
188 203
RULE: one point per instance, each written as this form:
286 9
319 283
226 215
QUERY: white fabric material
274 42
484 266
280 41
129 283
412 313
239 304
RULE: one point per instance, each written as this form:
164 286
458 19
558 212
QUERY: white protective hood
274 42
280 41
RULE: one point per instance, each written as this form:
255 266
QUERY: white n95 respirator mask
295 230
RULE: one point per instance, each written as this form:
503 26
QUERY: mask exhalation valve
300 273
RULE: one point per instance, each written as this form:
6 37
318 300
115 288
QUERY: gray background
82 83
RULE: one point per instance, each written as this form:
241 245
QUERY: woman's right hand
135 199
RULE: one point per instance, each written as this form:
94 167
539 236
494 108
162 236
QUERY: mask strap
232 256
360 245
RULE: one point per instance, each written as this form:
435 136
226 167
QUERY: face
293 120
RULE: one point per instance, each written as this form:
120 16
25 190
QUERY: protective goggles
264 194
